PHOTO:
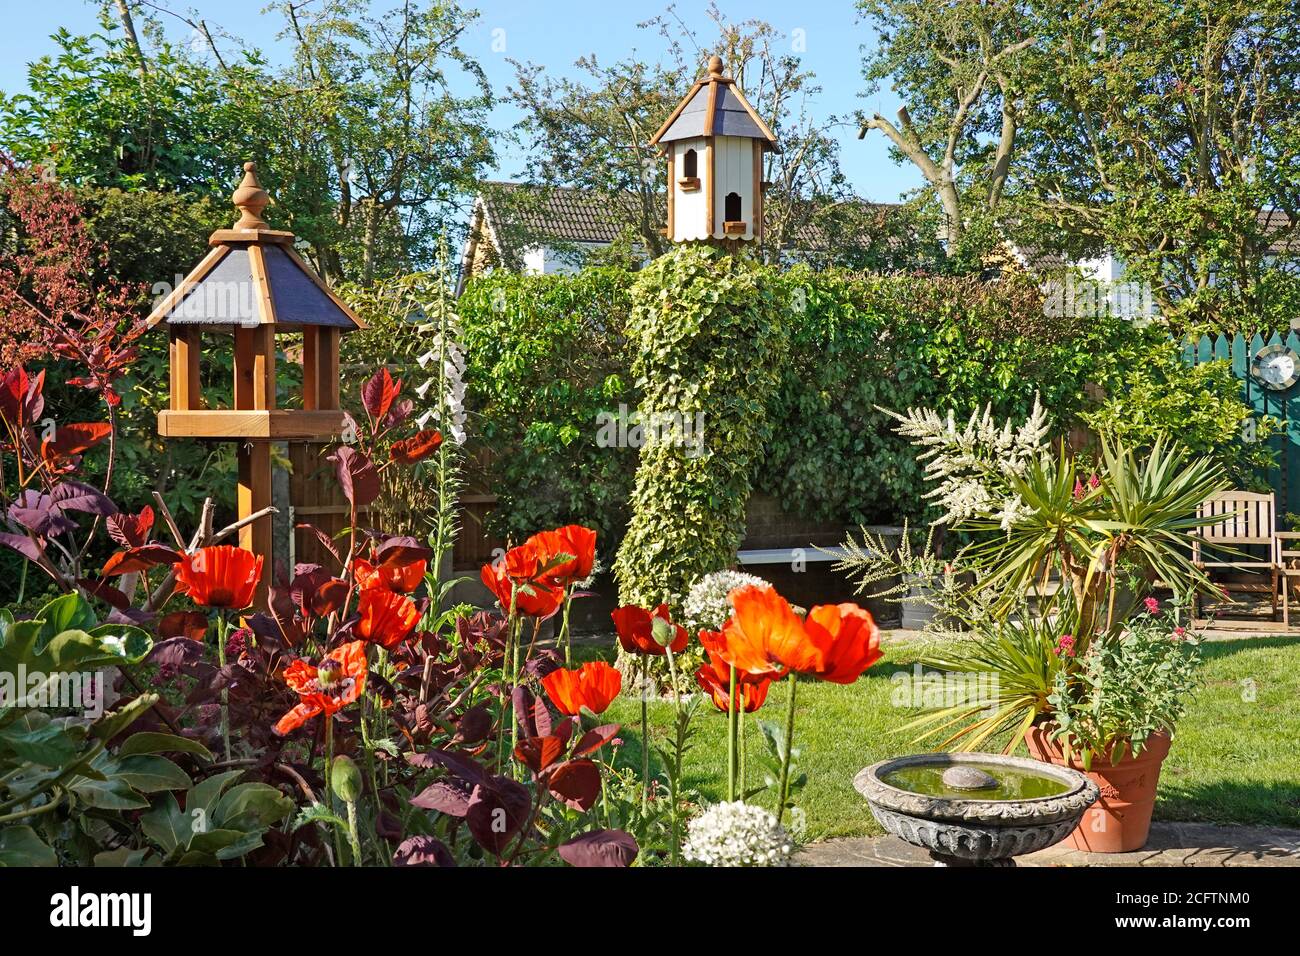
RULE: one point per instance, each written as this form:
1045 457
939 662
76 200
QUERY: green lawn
1234 760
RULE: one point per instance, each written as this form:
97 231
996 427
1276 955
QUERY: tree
364 138
1169 133
593 134
959 67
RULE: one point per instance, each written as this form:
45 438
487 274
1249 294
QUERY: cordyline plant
1059 558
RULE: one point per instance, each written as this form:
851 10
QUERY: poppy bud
345 778
662 631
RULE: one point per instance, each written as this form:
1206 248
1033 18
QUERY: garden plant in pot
1076 657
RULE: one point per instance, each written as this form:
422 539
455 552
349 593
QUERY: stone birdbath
975 809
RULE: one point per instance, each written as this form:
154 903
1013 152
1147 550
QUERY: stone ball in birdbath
968 778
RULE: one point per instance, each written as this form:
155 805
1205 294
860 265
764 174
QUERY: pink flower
1093 481
1152 605
1079 491
1179 632
1065 645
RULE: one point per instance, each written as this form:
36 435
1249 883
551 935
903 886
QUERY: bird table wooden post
252 284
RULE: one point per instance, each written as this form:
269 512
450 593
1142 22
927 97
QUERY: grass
1234 759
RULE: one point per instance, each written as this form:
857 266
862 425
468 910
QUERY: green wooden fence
1282 405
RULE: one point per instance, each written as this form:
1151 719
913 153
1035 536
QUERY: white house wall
690 209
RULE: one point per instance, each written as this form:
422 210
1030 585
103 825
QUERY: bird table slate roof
714 107
253 276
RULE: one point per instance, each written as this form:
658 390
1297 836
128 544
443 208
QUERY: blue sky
554 34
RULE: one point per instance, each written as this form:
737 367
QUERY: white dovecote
714 143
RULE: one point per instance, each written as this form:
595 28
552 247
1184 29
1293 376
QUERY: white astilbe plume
970 466
737 834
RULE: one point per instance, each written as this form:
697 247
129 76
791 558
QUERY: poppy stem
225 693
740 747
731 736
678 742
568 640
645 734
329 787
784 789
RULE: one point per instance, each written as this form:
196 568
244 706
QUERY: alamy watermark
73 690
634 429
931 690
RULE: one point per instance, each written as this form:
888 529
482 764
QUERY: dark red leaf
450 796
596 738
576 782
497 810
599 848
423 851
377 394
538 753
357 476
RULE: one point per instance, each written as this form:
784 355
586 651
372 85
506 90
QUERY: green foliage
709 334
1160 394
904 341
546 355
96 118
1125 690
59 764
218 822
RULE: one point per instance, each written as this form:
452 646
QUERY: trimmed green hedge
547 354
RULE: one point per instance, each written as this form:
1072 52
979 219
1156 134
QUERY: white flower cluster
706 604
448 361
971 465
737 834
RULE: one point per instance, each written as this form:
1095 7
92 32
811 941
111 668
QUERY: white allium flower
737 834
706 604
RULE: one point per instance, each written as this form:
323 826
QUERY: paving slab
1170 844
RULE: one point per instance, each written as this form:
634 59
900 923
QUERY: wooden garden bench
1240 519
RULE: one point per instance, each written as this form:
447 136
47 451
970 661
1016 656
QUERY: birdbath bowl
975 809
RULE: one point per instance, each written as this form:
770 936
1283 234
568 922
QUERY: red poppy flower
220 576
402 578
594 685
849 638
416 448
635 626
387 618
573 540
765 637
534 595
326 688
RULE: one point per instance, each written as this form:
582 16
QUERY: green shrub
709 331
546 355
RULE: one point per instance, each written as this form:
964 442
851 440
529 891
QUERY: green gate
1283 405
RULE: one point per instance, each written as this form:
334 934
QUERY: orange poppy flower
572 539
387 618
635 626
326 688
849 638
403 578
594 685
416 448
715 679
765 637
518 571
220 576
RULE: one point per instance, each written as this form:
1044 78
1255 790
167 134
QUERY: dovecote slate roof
715 106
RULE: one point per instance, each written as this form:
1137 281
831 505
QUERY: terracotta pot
1121 819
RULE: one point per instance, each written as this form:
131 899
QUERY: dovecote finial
250 199
715 65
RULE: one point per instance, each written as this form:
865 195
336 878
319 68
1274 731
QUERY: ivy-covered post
708 332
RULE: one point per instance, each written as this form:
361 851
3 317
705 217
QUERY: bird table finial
250 199
715 65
